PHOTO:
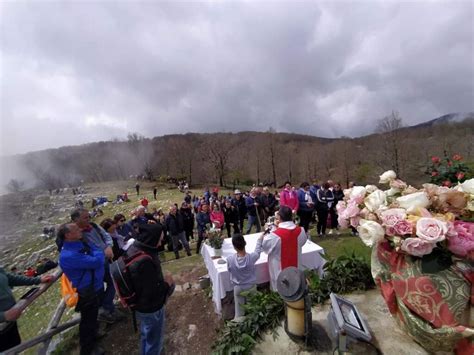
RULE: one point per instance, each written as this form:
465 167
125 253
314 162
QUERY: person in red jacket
144 202
217 216
289 197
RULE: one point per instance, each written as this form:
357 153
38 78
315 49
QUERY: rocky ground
190 319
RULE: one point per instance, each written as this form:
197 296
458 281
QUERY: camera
271 220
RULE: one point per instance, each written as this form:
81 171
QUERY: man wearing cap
283 245
239 202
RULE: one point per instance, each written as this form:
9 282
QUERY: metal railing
36 325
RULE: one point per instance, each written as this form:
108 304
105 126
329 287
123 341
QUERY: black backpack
121 275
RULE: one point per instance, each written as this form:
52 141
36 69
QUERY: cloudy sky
82 71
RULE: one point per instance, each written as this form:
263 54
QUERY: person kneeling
242 271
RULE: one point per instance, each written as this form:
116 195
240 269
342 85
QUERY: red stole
289 246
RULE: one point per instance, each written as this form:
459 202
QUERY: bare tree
390 127
271 147
15 185
218 152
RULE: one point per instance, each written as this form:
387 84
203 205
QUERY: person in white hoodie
241 267
283 245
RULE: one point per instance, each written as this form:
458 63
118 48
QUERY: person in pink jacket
217 216
289 197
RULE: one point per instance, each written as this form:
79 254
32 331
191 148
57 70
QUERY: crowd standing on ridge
87 250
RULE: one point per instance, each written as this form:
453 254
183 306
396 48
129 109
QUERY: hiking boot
106 317
189 253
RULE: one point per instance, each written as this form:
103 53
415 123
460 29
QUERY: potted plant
215 240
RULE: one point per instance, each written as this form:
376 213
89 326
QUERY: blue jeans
251 220
152 329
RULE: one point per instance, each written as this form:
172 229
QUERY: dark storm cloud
75 72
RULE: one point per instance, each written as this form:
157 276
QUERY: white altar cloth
220 276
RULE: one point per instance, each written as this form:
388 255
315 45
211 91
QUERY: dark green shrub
344 274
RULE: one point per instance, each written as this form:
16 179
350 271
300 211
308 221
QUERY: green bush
263 310
344 274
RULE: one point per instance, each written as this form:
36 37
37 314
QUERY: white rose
370 232
392 192
375 200
414 201
468 186
357 192
371 188
387 176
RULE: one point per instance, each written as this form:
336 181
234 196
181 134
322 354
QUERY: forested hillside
245 157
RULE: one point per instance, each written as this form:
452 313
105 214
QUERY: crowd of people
87 249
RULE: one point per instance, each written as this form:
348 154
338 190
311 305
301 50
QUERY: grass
343 244
35 318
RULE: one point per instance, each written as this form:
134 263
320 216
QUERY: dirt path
190 327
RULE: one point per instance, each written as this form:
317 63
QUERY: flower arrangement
422 256
214 237
414 221
448 170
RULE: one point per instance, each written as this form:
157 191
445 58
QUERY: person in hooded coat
151 287
242 270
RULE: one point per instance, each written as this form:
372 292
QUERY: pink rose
461 239
431 229
390 231
403 227
352 210
392 216
343 222
355 221
417 246
340 207
398 184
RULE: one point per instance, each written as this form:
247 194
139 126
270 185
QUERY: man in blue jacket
97 236
83 264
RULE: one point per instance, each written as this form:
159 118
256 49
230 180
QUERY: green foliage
264 311
344 274
448 170
214 238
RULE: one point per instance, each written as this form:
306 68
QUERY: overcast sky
82 71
